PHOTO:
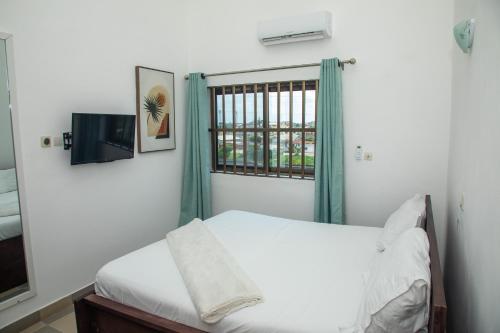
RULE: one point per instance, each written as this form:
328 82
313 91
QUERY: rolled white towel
215 282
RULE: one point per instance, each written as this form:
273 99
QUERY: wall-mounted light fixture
464 34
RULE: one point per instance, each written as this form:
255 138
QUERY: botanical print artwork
155 109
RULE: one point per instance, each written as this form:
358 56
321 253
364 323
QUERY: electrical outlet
46 141
368 156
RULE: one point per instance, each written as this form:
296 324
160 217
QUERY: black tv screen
100 138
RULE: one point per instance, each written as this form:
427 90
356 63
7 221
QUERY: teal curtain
329 164
196 199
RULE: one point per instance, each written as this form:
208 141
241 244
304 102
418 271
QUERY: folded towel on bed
216 283
9 204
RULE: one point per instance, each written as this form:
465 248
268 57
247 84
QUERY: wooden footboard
98 314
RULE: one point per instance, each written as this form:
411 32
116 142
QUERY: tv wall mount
67 140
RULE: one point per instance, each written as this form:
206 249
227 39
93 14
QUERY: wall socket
46 141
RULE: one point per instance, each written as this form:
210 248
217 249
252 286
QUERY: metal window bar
278 134
213 122
290 136
224 127
303 149
266 125
244 91
255 157
234 129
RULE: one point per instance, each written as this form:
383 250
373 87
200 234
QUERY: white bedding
8 180
10 226
310 275
9 203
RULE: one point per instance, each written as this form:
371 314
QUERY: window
266 129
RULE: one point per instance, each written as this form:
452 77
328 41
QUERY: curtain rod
351 61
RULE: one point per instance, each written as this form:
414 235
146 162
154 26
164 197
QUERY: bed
313 288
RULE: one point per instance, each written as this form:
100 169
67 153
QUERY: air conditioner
296 28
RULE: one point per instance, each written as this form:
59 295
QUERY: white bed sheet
10 226
310 275
9 203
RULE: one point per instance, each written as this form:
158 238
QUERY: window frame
301 171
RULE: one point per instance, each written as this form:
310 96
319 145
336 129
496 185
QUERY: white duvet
9 203
10 226
309 273
8 180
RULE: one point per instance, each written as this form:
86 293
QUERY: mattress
310 275
10 226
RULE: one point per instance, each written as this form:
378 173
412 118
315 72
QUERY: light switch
368 156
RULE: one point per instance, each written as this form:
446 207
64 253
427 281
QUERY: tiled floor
62 322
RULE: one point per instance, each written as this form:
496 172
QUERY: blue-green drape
329 164
196 200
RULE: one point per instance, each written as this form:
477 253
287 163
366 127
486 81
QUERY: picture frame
155 107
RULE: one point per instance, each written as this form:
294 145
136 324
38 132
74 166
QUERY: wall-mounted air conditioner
296 28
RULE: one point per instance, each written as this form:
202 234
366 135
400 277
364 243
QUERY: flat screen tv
98 138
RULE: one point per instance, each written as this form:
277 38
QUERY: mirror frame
31 292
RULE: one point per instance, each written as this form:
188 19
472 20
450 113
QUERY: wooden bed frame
13 270
98 314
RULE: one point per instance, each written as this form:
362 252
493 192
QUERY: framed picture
155 109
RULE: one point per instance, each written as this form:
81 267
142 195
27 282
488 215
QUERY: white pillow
8 181
409 215
416 203
397 291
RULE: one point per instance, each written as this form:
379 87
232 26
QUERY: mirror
14 281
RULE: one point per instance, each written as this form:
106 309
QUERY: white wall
6 150
396 99
79 57
472 267
284 197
